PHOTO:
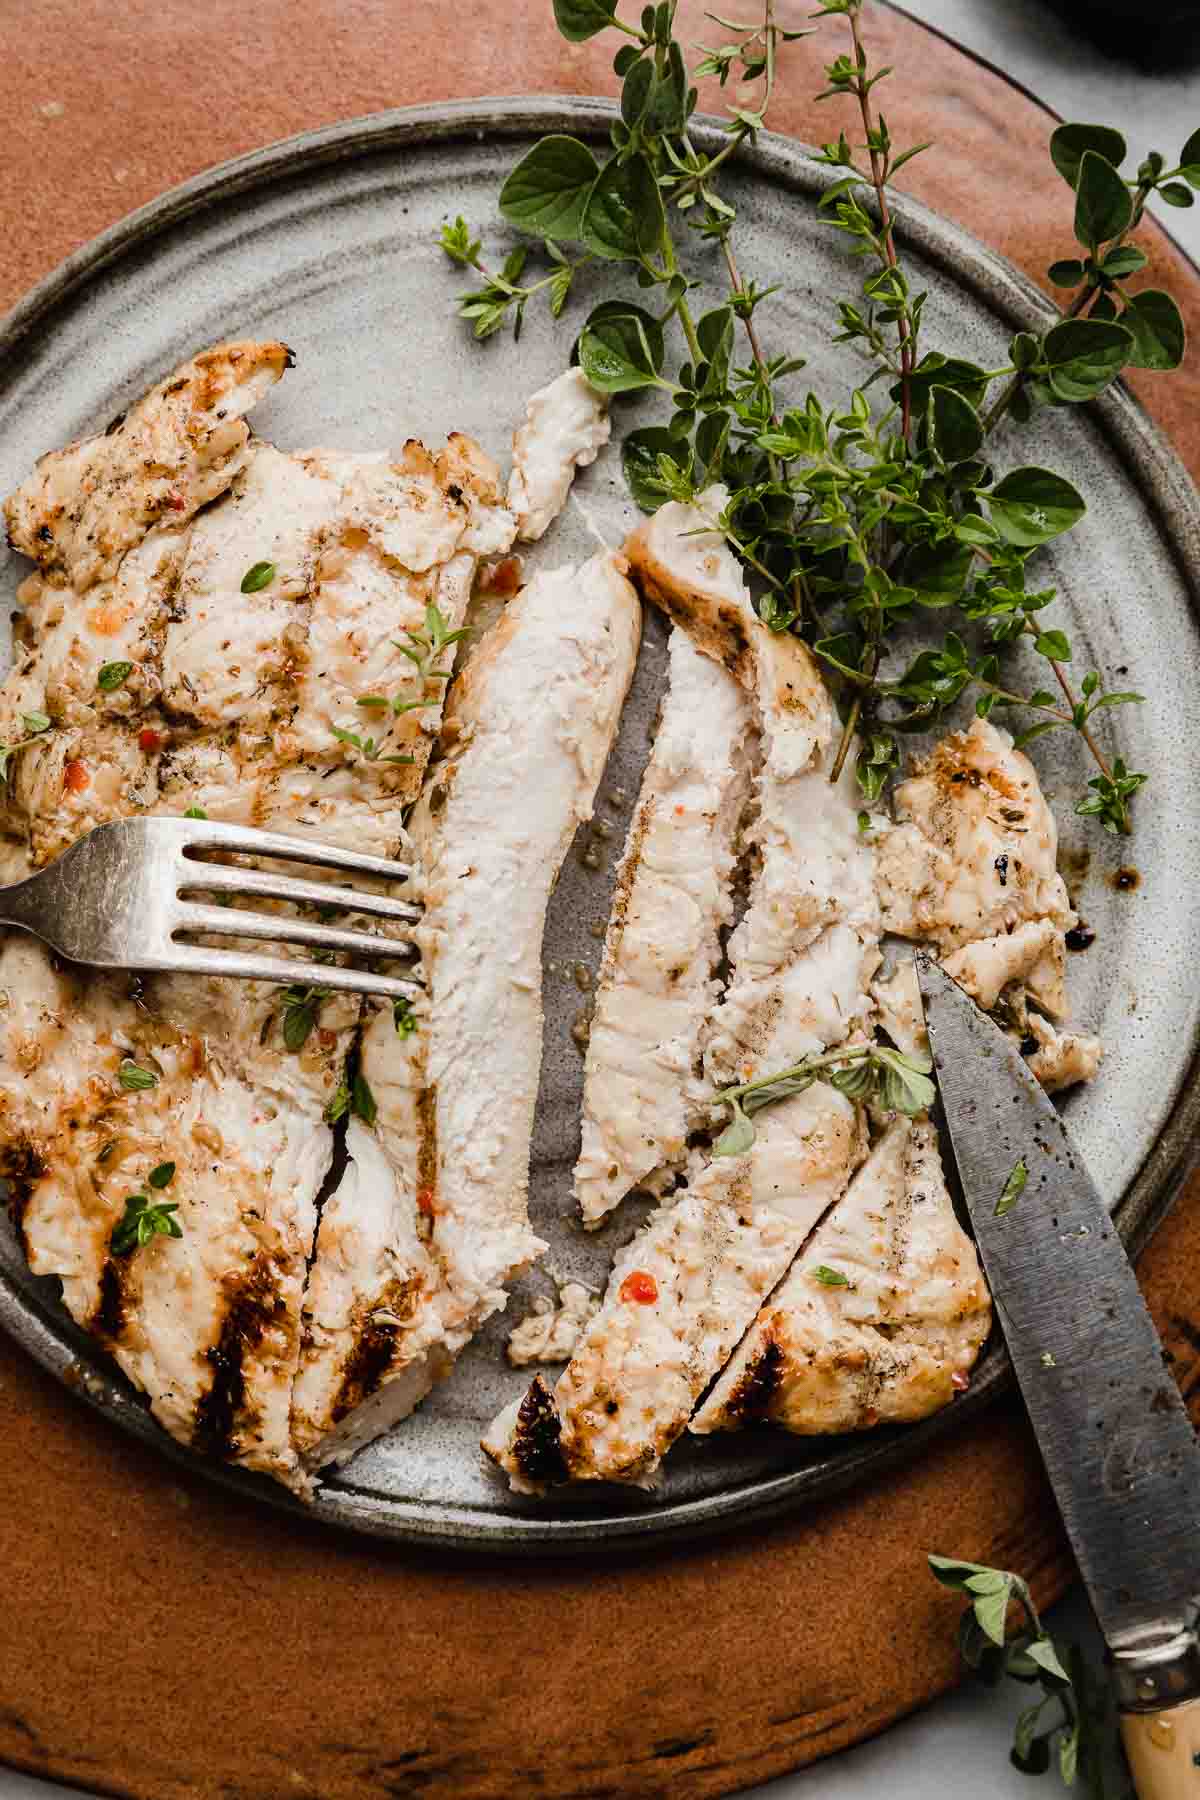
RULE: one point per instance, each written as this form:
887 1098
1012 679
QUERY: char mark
751 1398
536 1447
21 1167
254 1306
375 1346
109 1319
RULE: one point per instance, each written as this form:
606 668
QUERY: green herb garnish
195 812
899 1083
134 1078
829 1277
369 748
36 724
301 1005
1014 1187
144 1217
112 675
352 1095
1072 1720
404 1018
857 516
258 575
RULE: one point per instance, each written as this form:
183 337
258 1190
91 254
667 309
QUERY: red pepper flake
177 502
640 1286
425 1201
960 1381
679 811
76 778
149 740
326 1038
503 578
870 1417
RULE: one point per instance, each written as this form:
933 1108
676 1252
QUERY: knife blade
1118 1446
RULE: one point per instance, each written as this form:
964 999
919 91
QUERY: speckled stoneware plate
328 241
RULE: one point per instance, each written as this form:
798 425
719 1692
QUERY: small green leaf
639 461
547 191
1068 143
635 95
162 1176
1043 1653
1175 193
1190 154
133 1078
1126 259
1014 1187
737 1136
362 1099
578 20
36 723
618 348
955 427
195 812
829 1277
339 1105
1054 644
1031 505
1084 355
623 218
1103 204
258 575
1066 274
991 1610
112 675
1159 334
938 572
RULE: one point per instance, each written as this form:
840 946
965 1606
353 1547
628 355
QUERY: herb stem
887 239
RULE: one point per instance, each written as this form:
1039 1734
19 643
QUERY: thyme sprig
856 516
145 1217
864 1072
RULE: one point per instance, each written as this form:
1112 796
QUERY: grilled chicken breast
882 1316
656 988
527 733
176 449
688 1286
566 426
227 707
971 867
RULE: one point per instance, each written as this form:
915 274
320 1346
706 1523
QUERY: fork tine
212 834
232 921
193 959
220 878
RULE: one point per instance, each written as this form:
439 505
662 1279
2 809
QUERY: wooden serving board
163 1639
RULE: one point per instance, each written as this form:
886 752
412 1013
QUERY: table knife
1116 1440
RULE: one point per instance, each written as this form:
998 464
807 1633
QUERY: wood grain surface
162 1639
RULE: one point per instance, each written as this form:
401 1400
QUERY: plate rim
1173 501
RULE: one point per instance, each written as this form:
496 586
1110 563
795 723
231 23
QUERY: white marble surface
960 1745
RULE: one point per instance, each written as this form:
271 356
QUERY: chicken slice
566 426
528 729
688 1286
894 1327
672 897
550 1333
976 847
972 868
170 454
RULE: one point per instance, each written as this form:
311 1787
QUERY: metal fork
115 900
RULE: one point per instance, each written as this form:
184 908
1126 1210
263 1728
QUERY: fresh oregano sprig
898 1082
856 516
1071 1722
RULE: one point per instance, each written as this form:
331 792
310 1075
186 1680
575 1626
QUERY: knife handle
1164 1751
1157 1683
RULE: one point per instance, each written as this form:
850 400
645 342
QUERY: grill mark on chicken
427 1142
536 1447
751 1398
110 1317
374 1347
22 1167
254 1306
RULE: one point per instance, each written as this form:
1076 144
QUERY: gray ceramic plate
329 241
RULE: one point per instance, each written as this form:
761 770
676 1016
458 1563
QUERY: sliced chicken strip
972 868
566 426
174 451
528 730
672 897
894 1327
687 1288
